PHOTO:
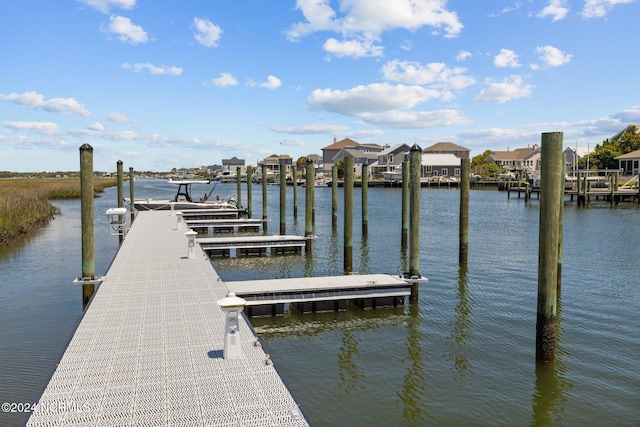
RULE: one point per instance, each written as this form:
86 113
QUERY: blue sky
162 84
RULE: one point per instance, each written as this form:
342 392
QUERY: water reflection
414 411
460 338
364 256
351 379
551 385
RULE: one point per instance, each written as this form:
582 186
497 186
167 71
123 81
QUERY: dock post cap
231 303
190 233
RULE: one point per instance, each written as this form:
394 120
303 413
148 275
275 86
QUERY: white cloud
54 105
125 30
416 119
153 69
556 9
97 127
632 115
552 56
365 20
506 58
104 5
44 128
435 74
373 98
272 83
463 55
207 33
599 8
352 48
119 118
312 129
225 79
508 89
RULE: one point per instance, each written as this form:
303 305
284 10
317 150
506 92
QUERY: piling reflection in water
414 410
461 327
351 380
552 389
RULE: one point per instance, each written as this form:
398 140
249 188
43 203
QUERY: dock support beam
415 164
283 198
405 205
348 214
334 196
249 192
552 170
131 193
308 205
463 253
239 185
120 182
86 197
365 199
264 198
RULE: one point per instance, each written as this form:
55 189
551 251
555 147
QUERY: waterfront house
360 157
231 165
389 160
629 163
440 166
330 151
448 148
514 161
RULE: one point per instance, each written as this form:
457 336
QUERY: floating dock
251 245
228 225
319 294
149 348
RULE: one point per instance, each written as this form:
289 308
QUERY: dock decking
149 349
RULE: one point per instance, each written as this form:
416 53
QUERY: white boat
184 200
393 175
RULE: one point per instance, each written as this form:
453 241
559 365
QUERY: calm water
463 355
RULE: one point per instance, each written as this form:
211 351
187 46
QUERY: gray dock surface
149 348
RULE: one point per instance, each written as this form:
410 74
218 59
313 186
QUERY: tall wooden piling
294 172
415 164
86 219
348 214
550 197
120 184
249 192
334 196
405 205
465 183
561 222
308 204
283 198
365 199
131 193
264 198
239 186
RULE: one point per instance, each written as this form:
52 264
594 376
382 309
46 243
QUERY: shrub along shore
25 202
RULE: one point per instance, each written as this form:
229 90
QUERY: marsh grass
25 202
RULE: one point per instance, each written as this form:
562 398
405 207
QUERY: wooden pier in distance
149 348
320 294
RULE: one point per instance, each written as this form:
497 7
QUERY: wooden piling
294 172
549 230
348 214
334 196
283 198
405 205
249 192
463 253
131 194
120 185
308 205
560 224
415 164
86 219
365 199
264 198
239 186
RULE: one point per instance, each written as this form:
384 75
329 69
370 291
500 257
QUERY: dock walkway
149 349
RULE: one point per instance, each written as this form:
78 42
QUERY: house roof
395 148
446 147
517 154
634 155
440 159
356 154
341 144
618 135
233 161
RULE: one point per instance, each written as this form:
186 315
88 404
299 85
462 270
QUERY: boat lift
117 221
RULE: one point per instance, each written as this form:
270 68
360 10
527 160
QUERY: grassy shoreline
25 202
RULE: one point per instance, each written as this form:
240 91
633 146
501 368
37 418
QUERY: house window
456 172
390 158
445 172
